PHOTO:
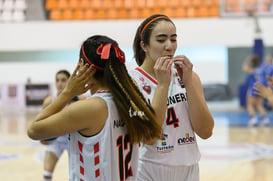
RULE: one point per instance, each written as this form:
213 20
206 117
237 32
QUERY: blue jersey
267 70
258 75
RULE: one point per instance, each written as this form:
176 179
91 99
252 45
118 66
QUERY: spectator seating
12 10
129 9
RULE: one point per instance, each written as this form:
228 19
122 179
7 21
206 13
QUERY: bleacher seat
78 14
55 14
51 4
67 14
132 14
1 5
8 5
6 15
73 4
172 3
118 4
180 12
160 3
63 4
89 14
132 9
96 4
100 14
20 5
112 13
18 15
124 13
185 3
150 3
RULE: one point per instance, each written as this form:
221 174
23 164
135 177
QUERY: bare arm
162 70
47 101
86 116
200 116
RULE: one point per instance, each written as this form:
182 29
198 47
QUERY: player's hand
184 68
262 91
162 70
269 81
80 81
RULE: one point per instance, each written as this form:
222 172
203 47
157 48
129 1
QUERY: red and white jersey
106 156
177 145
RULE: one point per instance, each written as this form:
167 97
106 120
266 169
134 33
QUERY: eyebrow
164 35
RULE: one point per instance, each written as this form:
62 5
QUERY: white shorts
148 171
57 147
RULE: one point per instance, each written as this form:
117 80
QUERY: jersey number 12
124 146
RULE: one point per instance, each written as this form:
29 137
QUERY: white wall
69 35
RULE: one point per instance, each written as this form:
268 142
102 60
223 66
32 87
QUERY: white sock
47 176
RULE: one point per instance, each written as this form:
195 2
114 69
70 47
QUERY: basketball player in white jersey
175 156
55 146
104 130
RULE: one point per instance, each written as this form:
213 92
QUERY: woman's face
162 41
61 80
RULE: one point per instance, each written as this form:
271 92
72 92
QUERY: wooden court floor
233 153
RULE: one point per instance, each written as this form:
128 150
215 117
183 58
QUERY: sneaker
265 122
253 122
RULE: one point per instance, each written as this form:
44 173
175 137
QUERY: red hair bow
104 52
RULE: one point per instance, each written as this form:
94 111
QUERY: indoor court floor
235 152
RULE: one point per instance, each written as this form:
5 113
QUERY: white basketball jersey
177 145
106 156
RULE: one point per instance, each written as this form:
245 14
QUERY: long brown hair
134 110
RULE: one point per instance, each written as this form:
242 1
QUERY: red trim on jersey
146 75
97 159
80 146
97 172
81 170
81 158
97 147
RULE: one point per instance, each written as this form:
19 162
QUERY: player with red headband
176 94
105 129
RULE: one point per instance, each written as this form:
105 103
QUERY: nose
168 45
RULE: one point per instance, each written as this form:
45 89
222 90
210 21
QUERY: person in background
265 91
176 94
56 146
105 129
254 102
267 67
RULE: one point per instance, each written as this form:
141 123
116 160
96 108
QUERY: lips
170 56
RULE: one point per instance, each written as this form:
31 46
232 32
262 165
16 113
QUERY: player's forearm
56 106
201 118
159 102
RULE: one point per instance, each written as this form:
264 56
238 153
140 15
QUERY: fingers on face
76 70
163 63
182 61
